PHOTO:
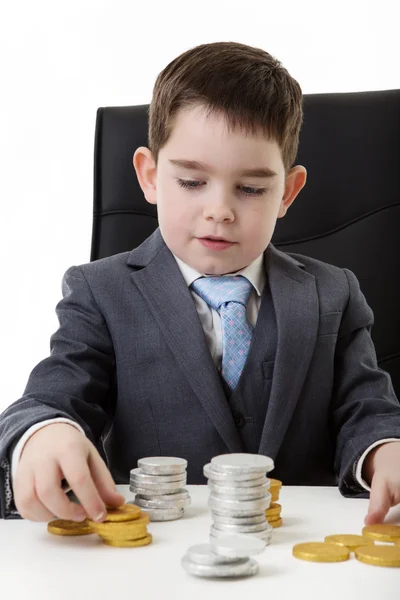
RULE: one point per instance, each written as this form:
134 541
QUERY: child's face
219 201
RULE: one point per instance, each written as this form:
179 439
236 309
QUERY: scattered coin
237 545
65 527
382 556
203 554
382 533
320 552
243 568
349 541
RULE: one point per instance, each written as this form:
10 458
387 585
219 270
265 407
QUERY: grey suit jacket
129 362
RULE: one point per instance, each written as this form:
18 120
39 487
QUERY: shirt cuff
16 455
363 457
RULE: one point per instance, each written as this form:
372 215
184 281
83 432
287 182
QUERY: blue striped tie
229 295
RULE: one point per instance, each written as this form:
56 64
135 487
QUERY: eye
189 184
194 185
249 191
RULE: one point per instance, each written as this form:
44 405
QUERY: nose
219 210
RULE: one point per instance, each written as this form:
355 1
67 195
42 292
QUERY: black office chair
348 214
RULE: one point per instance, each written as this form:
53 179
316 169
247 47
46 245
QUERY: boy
206 339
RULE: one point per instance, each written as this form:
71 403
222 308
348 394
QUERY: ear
146 172
295 181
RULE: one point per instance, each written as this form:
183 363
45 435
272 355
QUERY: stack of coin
226 556
239 495
159 484
125 527
273 513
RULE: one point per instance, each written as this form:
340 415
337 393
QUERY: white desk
36 565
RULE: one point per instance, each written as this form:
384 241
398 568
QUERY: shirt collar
254 272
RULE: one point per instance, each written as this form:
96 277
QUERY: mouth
216 239
213 242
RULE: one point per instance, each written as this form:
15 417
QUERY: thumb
379 502
103 480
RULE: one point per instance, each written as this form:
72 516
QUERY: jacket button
239 420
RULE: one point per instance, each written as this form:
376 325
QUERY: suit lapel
296 305
169 299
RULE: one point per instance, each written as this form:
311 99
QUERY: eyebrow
197 166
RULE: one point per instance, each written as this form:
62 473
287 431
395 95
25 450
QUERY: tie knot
219 290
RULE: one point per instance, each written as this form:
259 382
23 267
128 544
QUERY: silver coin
162 465
203 554
239 508
159 487
150 494
164 514
180 494
265 535
242 463
237 546
246 520
137 476
156 503
237 569
233 528
211 473
266 538
248 484
255 492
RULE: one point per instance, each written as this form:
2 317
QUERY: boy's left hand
381 469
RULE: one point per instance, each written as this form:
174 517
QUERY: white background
60 61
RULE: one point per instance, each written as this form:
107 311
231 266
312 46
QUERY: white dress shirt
211 323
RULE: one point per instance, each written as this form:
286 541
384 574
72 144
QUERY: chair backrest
348 214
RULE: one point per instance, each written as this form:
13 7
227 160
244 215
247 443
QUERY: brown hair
247 85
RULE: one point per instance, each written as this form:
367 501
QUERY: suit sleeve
75 381
364 406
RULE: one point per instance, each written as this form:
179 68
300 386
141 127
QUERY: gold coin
275 523
274 509
273 519
381 556
125 512
113 529
65 527
275 484
274 497
349 541
129 543
320 552
383 533
125 535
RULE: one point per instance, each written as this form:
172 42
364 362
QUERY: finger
379 502
76 471
26 499
52 497
103 480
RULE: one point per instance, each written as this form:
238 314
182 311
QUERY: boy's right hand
55 452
